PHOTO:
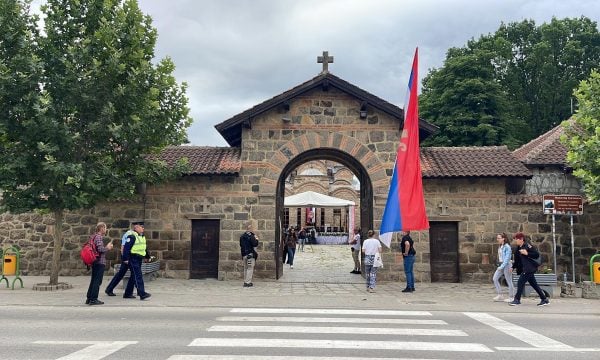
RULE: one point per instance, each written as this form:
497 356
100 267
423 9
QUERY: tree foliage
582 137
83 106
510 86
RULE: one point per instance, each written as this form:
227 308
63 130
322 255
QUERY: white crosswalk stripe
340 344
398 323
262 357
289 319
329 312
337 330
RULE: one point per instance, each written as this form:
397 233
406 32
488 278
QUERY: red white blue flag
405 207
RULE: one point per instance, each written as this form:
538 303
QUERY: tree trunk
58 244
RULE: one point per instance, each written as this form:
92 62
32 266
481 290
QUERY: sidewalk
213 293
320 278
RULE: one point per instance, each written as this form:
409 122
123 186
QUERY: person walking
408 254
122 269
504 268
526 268
291 242
98 267
371 247
134 253
302 238
248 241
355 248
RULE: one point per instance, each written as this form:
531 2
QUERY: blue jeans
409 262
291 252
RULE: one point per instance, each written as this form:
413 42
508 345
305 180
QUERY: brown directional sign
563 204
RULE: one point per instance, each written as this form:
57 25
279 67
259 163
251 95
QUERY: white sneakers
291 266
498 298
508 300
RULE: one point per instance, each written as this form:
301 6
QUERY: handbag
377 262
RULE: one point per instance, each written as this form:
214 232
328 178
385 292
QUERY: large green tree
582 137
99 106
525 74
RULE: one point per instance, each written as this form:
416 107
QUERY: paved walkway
322 264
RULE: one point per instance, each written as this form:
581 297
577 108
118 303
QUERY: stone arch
323 145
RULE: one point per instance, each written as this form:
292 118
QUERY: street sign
563 204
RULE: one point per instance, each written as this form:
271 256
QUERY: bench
149 271
547 282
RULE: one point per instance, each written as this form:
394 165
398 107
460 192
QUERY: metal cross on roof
325 60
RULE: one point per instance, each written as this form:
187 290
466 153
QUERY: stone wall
320 120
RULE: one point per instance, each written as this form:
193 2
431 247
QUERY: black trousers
524 278
117 278
95 281
136 279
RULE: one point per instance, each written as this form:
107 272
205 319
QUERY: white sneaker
498 298
291 266
508 300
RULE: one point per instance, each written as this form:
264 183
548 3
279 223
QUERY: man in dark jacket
526 268
248 241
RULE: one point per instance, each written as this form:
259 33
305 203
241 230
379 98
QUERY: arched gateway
325 118
319 146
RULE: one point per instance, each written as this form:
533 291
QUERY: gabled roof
231 129
544 150
205 160
476 161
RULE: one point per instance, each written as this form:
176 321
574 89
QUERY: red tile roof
524 199
205 160
436 162
476 161
546 149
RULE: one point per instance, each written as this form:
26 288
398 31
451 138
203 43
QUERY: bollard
11 265
595 269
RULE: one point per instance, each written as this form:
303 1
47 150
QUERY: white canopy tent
314 199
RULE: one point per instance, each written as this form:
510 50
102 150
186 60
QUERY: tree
525 75
466 101
104 108
582 137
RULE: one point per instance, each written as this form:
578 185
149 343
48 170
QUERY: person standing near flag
408 253
370 248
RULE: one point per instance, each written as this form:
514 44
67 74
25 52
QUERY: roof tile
546 149
205 160
476 161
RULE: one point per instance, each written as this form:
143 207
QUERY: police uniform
134 252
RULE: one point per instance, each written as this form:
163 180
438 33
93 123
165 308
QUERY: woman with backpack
98 266
526 266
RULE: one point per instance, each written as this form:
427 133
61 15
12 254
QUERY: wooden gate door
204 262
443 248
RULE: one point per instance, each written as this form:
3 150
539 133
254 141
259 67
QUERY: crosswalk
342 334
384 331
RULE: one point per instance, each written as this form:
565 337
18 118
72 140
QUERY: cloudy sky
234 54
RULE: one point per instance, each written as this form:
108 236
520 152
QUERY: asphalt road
289 332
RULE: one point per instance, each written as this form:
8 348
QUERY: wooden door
443 247
204 262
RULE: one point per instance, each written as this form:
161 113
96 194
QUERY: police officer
122 269
134 252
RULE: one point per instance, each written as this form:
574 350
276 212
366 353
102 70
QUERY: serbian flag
405 207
